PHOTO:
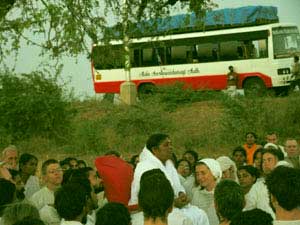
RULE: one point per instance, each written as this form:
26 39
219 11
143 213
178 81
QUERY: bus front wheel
254 87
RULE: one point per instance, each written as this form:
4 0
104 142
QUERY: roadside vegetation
38 116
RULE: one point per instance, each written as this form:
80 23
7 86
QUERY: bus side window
240 52
156 58
262 49
179 54
189 57
214 53
136 62
147 57
228 50
168 55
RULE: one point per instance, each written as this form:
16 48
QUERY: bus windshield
286 42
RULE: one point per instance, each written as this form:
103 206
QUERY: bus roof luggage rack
213 20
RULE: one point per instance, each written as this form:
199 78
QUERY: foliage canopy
70 26
33 105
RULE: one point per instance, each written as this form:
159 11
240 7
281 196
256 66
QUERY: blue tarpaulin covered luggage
217 19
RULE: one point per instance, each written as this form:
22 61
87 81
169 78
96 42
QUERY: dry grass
198 126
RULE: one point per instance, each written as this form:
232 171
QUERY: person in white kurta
52 176
32 186
186 176
27 167
159 158
43 197
258 196
49 215
65 222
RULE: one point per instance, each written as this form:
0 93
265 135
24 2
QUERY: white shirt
188 183
32 186
148 162
290 222
205 200
176 217
49 215
91 218
43 197
258 197
64 222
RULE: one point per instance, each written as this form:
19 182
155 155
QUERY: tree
5 6
33 105
70 26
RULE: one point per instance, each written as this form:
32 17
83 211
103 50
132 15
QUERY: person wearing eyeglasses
52 176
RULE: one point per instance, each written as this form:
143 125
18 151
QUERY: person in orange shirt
250 146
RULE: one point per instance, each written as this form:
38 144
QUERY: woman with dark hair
247 177
239 156
184 169
186 177
257 159
192 157
27 168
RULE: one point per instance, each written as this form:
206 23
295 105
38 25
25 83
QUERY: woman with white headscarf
207 173
228 168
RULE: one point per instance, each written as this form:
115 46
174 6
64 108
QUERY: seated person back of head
252 217
113 213
156 196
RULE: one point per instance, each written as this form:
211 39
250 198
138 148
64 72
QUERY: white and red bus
261 55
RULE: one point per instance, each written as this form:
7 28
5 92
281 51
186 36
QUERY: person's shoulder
33 180
39 193
288 222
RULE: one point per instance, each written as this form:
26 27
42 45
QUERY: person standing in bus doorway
232 79
295 74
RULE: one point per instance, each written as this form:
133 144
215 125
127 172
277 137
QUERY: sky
77 71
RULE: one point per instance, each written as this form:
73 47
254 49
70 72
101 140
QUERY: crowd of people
257 184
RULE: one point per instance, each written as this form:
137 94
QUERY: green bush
260 115
177 95
33 105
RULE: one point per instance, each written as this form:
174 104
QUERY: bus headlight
284 71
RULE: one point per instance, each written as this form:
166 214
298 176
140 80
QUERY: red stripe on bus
208 82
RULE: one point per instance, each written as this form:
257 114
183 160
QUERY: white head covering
226 163
272 145
214 167
284 163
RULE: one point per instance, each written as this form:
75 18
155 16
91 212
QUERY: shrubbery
32 105
211 123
